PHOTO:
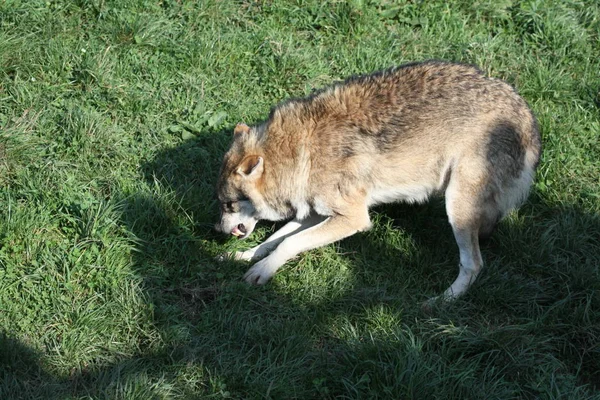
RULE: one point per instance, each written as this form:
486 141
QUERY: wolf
403 134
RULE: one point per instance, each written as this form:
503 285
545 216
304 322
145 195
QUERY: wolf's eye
230 206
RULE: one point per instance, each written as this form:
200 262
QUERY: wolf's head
239 185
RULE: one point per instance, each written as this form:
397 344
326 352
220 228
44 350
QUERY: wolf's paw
235 255
260 273
230 255
223 257
430 305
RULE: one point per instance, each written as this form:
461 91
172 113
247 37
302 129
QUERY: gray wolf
403 134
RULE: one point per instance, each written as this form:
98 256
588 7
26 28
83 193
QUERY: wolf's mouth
239 231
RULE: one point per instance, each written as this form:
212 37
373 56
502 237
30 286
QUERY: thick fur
404 134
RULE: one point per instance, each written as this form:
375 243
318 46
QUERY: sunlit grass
114 116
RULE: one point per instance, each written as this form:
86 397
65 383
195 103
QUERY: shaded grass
113 118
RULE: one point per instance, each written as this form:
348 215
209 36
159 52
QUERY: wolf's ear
241 128
251 167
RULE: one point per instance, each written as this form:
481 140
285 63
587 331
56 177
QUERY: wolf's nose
242 228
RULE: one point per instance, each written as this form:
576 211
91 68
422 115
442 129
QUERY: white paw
247 255
261 272
430 304
235 255
224 257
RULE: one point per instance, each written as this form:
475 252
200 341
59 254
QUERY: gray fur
403 134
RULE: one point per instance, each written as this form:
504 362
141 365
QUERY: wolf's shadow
540 257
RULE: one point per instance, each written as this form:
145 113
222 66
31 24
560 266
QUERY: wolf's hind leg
470 261
471 211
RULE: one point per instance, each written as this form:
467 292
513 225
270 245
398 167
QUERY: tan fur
403 134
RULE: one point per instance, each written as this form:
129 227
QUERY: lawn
114 116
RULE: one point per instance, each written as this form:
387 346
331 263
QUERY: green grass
114 116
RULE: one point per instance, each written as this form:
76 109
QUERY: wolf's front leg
334 228
289 229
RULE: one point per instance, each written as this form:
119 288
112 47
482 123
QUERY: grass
114 116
